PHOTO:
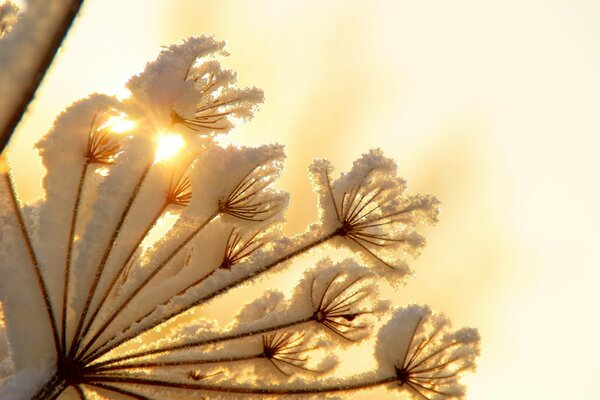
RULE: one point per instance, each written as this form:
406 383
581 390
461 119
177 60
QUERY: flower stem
115 389
204 342
144 283
77 338
34 261
120 271
178 363
71 240
342 387
216 293
53 388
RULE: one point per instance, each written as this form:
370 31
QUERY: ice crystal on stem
113 293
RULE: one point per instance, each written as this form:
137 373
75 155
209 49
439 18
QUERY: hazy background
493 107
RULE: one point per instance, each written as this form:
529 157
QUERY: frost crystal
104 283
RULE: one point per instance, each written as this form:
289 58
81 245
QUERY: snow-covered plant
105 281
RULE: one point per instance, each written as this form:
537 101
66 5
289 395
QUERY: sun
168 144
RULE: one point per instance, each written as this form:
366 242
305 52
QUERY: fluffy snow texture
132 307
22 49
187 85
371 204
420 346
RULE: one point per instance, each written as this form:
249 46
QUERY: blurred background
492 106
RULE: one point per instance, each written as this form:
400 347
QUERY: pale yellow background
493 106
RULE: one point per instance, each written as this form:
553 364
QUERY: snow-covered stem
38 72
71 242
178 363
122 335
34 260
313 389
178 194
205 342
122 269
117 390
53 388
141 286
77 338
101 351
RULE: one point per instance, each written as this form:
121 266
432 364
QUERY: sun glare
118 124
168 145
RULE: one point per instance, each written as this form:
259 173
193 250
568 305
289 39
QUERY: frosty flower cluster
103 282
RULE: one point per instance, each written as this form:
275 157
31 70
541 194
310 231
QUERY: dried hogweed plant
104 281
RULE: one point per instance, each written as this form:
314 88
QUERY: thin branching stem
77 338
122 269
79 392
342 387
287 348
223 290
205 342
34 261
68 260
179 193
234 253
141 286
178 363
117 390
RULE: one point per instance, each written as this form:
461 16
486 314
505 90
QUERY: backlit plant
104 281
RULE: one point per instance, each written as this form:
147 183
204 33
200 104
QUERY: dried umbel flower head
427 356
105 282
186 85
371 212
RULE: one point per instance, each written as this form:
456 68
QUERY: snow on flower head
104 282
425 354
187 87
370 210
237 183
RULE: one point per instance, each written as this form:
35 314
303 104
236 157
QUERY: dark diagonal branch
40 71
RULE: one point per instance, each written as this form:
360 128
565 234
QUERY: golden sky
492 106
